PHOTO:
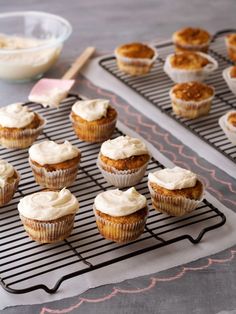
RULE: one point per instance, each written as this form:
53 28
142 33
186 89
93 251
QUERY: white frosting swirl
173 179
15 116
123 147
117 203
6 171
91 110
48 205
50 152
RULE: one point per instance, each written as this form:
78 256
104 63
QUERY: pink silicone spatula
50 92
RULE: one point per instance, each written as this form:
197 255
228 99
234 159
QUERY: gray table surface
105 24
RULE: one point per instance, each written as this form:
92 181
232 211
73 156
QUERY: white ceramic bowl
48 32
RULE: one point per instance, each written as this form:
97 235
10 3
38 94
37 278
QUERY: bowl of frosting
30 43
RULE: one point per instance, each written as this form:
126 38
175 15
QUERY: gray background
105 24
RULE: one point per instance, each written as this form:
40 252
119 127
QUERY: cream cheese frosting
6 171
91 110
48 205
17 62
117 203
123 147
18 42
15 116
173 179
50 152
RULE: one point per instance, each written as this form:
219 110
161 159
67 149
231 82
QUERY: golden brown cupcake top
136 50
110 116
233 72
232 119
191 36
188 60
133 162
231 38
192 91
193 193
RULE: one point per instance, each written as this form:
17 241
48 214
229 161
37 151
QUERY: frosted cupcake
192 99
228 124
175 191
229 74
135 58
54 165
48 216
9 180
19 127
230 41
120 216
191 39
93 120
189 66
123 161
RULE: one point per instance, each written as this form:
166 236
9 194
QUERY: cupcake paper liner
229 130
198 48
121 178
174 206
231 82
119 232
57 179
93 133
23 138
8 190
190 109
181 75
48 231
136 66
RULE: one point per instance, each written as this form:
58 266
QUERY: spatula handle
79 63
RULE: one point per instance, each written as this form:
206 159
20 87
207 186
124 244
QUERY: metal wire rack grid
155 87
25 265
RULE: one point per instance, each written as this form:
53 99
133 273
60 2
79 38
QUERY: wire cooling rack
155 87
26 265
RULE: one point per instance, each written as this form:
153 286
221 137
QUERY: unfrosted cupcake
189 66
192 99
123 161
93 120
230 41
54 165
135 58
19 127
120 216
48 216
229 74
175 191
9 180
228 124
191 39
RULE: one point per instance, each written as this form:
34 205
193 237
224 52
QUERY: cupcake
191 39
54 165
120 216
192 99
19 127
230 41
135 58
48 216
9 180
189 66
229 75
93 120
228 124
123 161
175 191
